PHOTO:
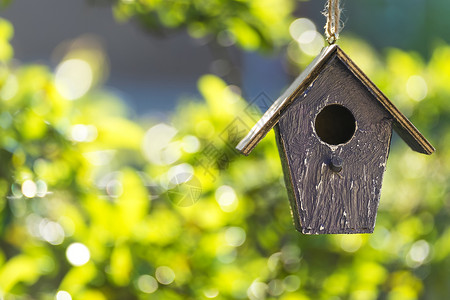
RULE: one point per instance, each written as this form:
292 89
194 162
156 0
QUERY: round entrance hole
335 124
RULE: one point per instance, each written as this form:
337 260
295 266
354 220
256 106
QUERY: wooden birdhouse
333 128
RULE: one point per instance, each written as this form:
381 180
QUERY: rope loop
333 14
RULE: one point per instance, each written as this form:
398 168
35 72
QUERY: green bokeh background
88 172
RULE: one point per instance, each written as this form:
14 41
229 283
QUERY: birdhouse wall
323 200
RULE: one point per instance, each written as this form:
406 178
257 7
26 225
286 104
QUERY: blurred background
118 175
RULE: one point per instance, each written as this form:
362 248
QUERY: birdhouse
333 128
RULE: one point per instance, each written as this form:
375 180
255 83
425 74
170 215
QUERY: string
333 14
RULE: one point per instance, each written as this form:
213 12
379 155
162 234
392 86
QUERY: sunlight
165 275
417 88
29 188
147 284
63 295
226 198
78 254
73 78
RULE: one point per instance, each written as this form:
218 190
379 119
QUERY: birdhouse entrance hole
335 124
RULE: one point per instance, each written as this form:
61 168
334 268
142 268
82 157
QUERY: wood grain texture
402 125
326 201
288 179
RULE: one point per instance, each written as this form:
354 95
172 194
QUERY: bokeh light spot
257 290
52 232
29 188
101 157
417 88
41 188
114 188
165 275
226 198
10 88
190 144
226 38
314 46
291 283
32 222
220 67
300 26
351 242
304 32
158 146
147 284
276 287
418 253
235 236
291 256
273 261
180 174
79 133
78 254
63 295
83 133
211 293
73 78
307 37
226 254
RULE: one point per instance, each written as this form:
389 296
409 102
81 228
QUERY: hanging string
333 14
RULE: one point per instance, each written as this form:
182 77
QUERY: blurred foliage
88 202
253 24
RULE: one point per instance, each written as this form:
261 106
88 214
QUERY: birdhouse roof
404 128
